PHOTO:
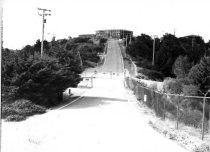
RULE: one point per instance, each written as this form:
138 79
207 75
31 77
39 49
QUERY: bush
27 108
8 111
173 86
142 76
156 76
191 117
144 63
151 74
20 109
190 90
15 118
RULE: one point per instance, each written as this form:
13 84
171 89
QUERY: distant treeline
182 58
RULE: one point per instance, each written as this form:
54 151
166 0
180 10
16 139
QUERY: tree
194 46
44 79
141 46
169 50
37 46
200 72
181 67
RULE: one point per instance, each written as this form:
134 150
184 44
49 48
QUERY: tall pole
1 48
153 54
42 45
192 43
130 39
43 22
126 42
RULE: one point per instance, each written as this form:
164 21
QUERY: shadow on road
88 102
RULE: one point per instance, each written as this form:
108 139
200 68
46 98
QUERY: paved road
102 121
113 65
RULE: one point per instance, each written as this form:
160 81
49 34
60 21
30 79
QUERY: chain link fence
189 110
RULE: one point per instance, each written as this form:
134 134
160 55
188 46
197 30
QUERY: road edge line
70 102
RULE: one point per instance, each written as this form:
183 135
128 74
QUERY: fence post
203 118
153 100
92 82
157 102
177 121
209 118
142 94
164 109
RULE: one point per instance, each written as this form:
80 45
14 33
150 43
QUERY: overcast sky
22 24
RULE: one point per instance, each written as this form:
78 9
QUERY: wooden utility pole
1 48
43 14
153 50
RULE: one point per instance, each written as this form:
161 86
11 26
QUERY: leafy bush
144 63
155 75
8 111
142 76
20 109
151 74
173 86
190 90
191 117
153 87
27 108
15 118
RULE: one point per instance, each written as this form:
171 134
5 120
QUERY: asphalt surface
113 64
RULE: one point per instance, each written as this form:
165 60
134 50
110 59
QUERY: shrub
173 86
141 76
15 118
154 86
20 109
8 111
144 63
191 90
151 74
155 75
191 117
27 108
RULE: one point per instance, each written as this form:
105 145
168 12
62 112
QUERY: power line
43 14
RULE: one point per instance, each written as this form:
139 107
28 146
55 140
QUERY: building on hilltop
114 33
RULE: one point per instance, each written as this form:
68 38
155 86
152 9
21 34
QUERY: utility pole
193 38
174 32
130 39
1 48
43 14
153 54
126 41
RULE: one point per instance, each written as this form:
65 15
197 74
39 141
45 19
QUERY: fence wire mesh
191 111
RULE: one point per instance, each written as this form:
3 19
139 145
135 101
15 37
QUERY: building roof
113 30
